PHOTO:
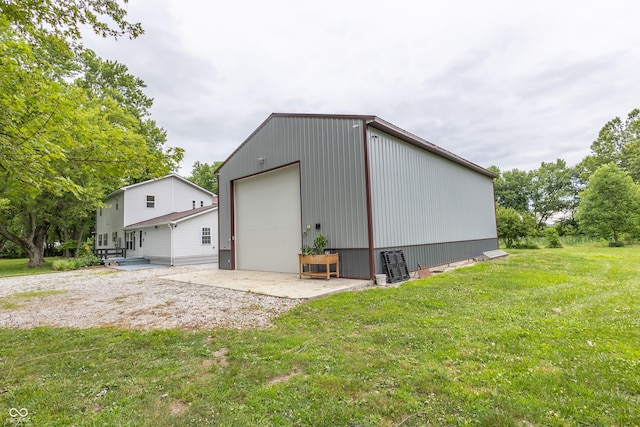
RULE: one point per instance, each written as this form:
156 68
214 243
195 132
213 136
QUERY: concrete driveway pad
286 285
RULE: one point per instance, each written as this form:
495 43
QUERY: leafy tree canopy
618 142
204 175
62 20
610 205
72 126
513 226
512 189
551 190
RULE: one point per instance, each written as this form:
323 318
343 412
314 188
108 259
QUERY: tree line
598 197
73 126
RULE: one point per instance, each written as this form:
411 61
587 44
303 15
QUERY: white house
168 220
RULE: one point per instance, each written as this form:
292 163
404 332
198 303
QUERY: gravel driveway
139 299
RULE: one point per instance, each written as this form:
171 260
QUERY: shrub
88 260
525 244
64 265
553 238
514 227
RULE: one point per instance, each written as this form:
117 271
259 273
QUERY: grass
18 267
13 301
543 338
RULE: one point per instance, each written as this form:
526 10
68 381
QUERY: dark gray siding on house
333 187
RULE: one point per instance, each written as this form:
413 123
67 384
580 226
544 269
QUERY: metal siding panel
430 255
224 259
420 198
330 152
354 263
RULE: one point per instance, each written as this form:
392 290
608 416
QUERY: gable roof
174 217
171 175
382 125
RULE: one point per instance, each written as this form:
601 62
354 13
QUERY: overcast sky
506 83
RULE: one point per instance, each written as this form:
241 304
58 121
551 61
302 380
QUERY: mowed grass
543 338
18 267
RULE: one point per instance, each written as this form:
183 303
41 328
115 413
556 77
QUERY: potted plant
316 255
320 244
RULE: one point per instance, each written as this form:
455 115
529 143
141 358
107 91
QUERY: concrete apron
285 285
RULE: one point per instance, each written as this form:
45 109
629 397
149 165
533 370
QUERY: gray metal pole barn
367 185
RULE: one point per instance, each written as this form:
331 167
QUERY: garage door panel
268 228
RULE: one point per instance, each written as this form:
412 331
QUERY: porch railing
110 252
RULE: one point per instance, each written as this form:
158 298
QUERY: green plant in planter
319 244
306 250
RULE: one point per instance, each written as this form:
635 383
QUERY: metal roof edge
141 224
171 175
415 140
298 115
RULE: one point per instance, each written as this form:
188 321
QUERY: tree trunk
36 256
615 238
79 234
34 247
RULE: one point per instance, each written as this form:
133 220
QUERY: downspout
367 177
171 239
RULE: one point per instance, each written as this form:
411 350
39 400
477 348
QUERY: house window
105 239
151 201
140 239
100 211
116 204
100 239
206 235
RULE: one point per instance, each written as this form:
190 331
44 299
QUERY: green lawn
544 338
18 267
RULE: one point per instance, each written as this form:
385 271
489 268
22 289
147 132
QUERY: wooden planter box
327 260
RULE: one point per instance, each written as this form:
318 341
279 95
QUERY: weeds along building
364 183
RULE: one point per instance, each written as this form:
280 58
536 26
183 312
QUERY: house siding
157 244
187 239
171 195
111 220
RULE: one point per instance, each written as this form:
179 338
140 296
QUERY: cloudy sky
506 83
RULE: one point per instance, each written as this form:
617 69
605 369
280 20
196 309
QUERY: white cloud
498 82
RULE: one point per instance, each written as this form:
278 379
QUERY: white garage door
267 221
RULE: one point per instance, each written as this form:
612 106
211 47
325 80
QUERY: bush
514 228
553 238
525 244
88 260
75 263
64 265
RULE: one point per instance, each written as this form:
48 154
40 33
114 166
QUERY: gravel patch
139 299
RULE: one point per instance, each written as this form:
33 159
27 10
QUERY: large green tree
204 175
512 189
610 205
618 142
72 126
551 190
